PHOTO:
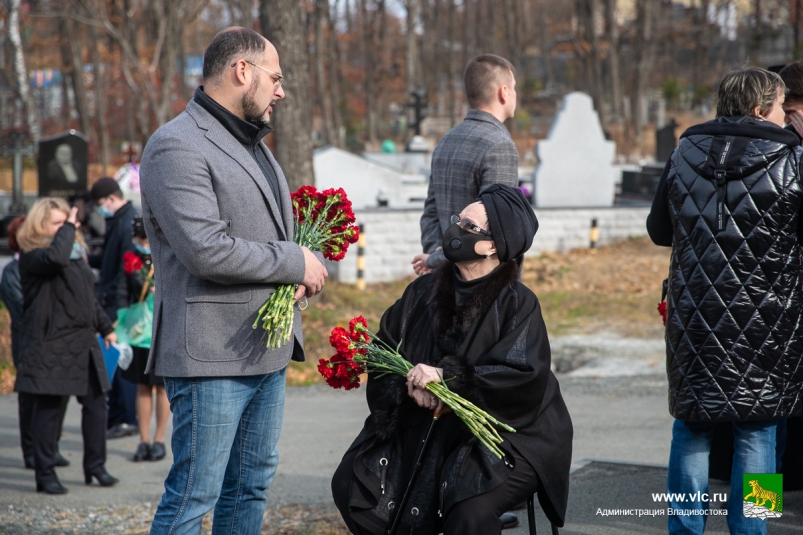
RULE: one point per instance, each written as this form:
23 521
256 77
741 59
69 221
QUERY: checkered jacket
476 153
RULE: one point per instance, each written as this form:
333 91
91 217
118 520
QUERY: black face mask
458 244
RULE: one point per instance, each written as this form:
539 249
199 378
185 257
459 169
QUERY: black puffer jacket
730 200
61 318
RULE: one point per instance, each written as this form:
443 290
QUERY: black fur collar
452 320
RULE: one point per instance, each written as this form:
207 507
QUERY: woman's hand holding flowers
427 400
420 375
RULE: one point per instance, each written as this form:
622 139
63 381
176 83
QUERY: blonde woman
60 353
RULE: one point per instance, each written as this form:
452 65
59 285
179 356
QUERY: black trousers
25 404
122 401
475 516
46 426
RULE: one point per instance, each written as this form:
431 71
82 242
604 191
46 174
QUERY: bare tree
21 72
100 99
615 76
241 12
73 68
336 81
282 23
150 50
324 94
644 48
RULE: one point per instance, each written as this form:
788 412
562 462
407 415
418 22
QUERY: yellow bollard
594 233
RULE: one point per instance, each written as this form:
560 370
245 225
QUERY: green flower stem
382 359
276 316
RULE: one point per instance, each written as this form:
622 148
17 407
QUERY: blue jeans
225 431
754 453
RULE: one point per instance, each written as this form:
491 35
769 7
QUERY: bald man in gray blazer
217 211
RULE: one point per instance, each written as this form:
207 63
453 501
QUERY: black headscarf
511 220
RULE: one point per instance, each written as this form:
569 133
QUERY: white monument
575 161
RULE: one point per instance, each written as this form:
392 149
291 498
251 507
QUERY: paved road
616 417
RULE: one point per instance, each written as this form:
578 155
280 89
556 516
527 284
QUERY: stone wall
393 237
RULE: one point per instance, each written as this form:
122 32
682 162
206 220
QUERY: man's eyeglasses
467 224
278 81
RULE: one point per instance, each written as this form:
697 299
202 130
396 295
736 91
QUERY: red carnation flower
131 263
662 310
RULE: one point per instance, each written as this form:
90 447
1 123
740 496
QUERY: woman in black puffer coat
729 205
60 353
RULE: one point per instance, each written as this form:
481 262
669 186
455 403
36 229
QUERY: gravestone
575 161
665 141
62 164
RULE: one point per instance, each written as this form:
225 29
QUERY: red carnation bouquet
360 351
324 223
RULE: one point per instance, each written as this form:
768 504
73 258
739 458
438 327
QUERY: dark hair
742 90
228 44
792 76
483 75
138 227
12 229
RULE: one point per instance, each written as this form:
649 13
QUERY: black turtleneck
463 288
249 134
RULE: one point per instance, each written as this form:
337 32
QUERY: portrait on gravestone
62 164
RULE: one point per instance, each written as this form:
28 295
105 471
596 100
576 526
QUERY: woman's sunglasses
467 224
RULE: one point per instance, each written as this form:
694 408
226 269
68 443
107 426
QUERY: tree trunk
281 22
21 71
324 95
411 57
546 45
100 101
644 53
613 39
369 53
336 80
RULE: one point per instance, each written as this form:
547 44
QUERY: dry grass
614 289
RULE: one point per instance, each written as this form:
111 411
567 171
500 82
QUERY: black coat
11 292
61 319
494 350
117 241
734 331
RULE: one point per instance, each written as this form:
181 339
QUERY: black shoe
30 463
61 461
509 520
143 452
157 451
121 430
52 487
103 478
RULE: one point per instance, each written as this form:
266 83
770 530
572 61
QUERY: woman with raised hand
60 353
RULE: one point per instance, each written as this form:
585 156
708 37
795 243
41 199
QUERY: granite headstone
62 165
665 141
575 161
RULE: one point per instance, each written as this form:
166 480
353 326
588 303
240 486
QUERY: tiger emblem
762 495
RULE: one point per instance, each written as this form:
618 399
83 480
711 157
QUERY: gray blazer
476 153
218 247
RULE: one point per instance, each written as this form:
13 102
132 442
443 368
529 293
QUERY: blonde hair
31 234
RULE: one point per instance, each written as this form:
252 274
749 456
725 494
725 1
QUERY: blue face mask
105 212
142 249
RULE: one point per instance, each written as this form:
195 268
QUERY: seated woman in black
474 324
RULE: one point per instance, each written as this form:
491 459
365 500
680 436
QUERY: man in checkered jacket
476 153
